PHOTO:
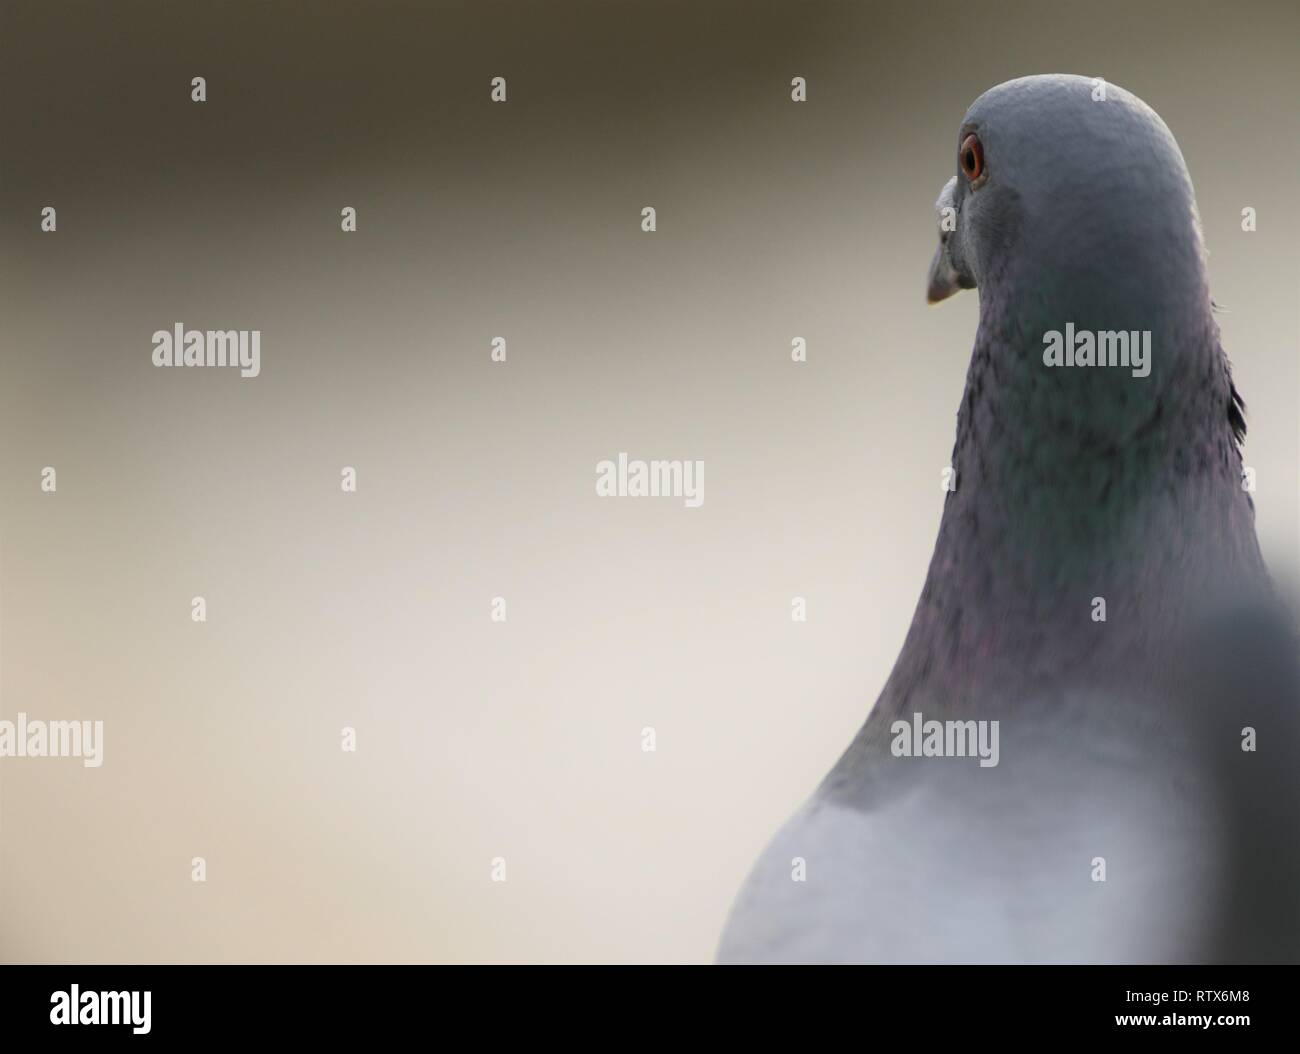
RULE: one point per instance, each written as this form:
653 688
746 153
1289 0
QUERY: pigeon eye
971 158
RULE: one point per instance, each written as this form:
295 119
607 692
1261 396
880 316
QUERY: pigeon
1085 752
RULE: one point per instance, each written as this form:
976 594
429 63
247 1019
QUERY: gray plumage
1119 740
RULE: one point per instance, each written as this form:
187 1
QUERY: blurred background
520 740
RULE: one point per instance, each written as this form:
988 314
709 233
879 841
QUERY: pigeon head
1099 421
1072 185
1073 214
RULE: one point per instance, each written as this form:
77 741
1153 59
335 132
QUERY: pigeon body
1123 821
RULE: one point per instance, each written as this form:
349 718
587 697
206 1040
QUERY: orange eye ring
971 158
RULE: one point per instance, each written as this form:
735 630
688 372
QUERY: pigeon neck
1082 494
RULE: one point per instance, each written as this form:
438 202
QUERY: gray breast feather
950 862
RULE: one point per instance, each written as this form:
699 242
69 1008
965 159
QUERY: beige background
371 610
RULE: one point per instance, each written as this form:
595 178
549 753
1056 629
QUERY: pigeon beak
944 280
